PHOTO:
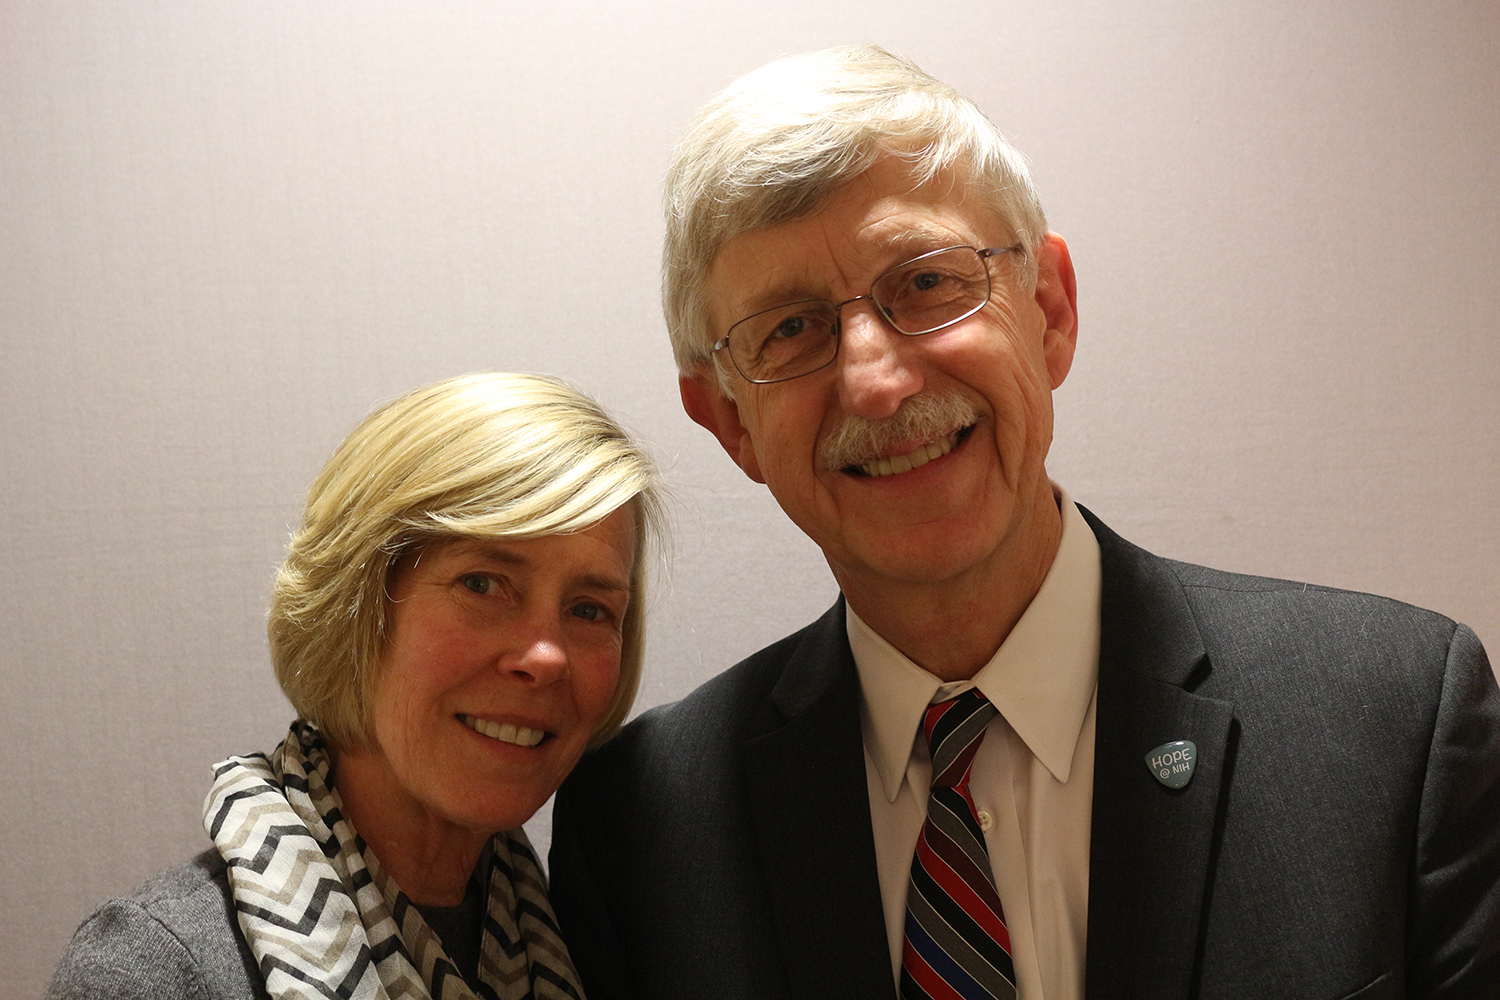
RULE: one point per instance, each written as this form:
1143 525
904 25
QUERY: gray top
175 937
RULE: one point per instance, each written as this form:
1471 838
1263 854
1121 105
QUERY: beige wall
226 229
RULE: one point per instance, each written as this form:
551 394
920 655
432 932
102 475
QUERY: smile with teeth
505 732
913 459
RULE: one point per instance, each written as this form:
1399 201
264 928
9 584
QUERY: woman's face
502 660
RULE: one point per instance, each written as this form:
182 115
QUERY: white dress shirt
1033 777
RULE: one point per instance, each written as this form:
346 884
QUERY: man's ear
1057 294
706 403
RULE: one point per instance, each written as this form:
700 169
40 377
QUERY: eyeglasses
922 295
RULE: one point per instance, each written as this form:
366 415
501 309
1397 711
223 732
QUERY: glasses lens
784 342
933 291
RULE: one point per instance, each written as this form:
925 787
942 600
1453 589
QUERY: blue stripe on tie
942 963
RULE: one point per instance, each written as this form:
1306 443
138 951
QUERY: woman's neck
430 857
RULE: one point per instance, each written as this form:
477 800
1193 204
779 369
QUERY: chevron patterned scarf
324 920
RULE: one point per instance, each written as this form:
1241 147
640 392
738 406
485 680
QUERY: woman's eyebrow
494 552
610 583
497 552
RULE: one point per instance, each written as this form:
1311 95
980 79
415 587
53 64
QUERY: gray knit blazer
174 938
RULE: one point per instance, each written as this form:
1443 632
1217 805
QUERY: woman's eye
926 281
478 583
590 612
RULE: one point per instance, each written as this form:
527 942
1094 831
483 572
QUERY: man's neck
952 628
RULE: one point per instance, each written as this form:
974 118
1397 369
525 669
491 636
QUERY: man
1020 756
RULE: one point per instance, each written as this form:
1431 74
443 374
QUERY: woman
458 617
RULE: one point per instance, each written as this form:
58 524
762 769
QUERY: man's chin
914 558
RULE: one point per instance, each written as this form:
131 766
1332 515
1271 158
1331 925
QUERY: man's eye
789 327
926 281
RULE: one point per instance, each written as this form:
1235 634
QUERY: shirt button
985 820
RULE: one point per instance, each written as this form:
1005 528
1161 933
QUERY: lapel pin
1172 763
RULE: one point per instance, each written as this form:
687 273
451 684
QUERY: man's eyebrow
776 294
900 247
914 242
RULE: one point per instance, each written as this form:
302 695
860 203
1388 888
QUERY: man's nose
879 367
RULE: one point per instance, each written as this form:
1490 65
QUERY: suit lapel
811 813
1151 847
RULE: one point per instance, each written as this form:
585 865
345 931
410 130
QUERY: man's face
954 514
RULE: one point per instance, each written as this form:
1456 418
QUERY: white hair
775 144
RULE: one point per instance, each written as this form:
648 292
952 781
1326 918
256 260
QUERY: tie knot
954 730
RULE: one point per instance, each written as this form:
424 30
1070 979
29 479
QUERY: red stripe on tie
934 713
951 881
946 779
936 859
925 975
984 912
945 861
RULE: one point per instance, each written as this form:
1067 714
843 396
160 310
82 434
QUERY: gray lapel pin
1172 763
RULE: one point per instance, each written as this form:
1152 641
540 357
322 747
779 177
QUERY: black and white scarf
324 920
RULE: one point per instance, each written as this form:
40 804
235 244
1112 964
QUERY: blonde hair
484 456
773 145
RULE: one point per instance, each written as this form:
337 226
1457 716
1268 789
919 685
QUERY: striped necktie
956 945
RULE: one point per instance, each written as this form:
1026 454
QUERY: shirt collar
1041 678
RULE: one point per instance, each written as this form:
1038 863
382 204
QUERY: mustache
859 440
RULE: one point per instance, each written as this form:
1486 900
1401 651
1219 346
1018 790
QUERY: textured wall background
226 230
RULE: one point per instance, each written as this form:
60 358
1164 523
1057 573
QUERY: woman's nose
538 655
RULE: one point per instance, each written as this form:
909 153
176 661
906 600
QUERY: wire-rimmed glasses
921 295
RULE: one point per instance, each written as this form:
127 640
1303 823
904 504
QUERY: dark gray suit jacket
1340 837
